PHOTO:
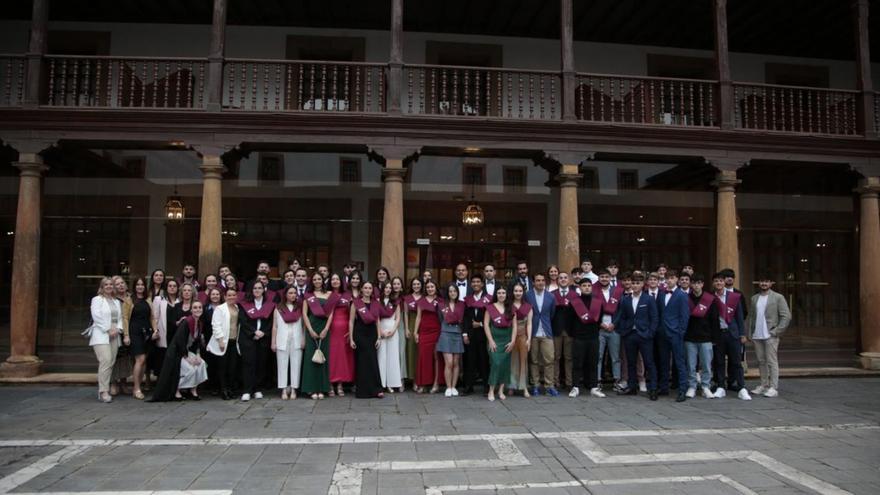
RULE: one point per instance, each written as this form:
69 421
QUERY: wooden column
25 288
726 236
569 236
36 50
395 64
392 217
569 76
722 65
864 84
869 272
214 82
210 231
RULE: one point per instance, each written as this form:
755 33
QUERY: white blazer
101 319
219 330
287 330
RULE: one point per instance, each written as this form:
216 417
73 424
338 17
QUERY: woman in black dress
186 344
364 339
140 330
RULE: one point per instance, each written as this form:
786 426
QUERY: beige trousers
541 365
768 363
106 354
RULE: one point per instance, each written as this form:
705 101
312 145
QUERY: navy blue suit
544 317
637 328
674 318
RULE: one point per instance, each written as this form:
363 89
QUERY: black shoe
195 397
663 393
226 395
681 397
653 395
628 391
674 386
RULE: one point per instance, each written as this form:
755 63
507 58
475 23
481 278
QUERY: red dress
429 333
341 353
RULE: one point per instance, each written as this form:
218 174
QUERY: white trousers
389 356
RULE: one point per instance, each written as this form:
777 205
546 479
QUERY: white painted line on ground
441 490
37 468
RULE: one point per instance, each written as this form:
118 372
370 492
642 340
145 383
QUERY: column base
21 367
870 360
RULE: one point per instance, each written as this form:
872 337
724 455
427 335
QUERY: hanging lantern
174 210
472 215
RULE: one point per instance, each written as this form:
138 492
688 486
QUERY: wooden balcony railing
129 82
281 85
646 100
876 112
12 78
481 92
795 109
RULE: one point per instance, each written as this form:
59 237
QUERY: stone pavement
819 436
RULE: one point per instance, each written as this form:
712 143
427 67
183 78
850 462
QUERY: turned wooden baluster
243 92
421 91
553 97
592 101
433 91
381 102
455 108
580 90
254 81
711 108
346 94
312 86
323 87
51 80
602 100
300 86
645 118
541 95
277 87
357 89
409 91
368 99
612 88
287 91
477 92
467 81
7 83
519 92
98 79
499 93
691 97
75 83
443 98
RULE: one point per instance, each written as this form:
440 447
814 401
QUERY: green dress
412 349
316 377
499 360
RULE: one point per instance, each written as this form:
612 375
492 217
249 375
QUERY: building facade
328 132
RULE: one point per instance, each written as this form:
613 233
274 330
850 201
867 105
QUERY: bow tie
462 283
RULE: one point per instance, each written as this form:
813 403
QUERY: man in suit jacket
563 323
727 360
674 315
542 350
769 317
522 278
636 322
476 355
461 281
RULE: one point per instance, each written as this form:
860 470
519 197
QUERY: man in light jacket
769 317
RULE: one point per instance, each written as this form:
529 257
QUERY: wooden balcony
453 92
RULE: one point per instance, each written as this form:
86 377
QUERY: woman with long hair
364 339
211 281
122 366
341 356
427 331
140 330
183 369
212 299
223 345
398 295
450 342
498 322
383 276
157 284
254 341
552 278
519 356
410 310
104 334
389 339
164 324
288 342
317 318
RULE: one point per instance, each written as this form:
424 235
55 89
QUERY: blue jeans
705 352
611 340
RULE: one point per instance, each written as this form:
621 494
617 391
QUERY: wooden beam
566 42
214 82
36 49
722 65
863 68
395 59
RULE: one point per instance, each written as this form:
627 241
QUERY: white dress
191 376
389 355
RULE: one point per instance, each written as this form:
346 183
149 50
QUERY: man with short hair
188 276
701 331
674 316
293 265
324 270
684 282
522 278
769 317
460 282
563 320
490 283
613 269
587 310
652 287
636 322
301 280
608 337
476 355
728 346
289 277
587 271
542 350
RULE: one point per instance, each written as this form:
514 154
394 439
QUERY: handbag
318 357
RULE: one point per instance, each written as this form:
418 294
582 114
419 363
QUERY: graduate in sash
728 347
587 310
702 330
427 332
288 342
499 322
254 340
364 339
476 359
522 342
608 337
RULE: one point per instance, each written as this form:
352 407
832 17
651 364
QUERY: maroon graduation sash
345 300
609 306
202 296
387 308
455 315
287 315
481 303
368 315
410 303
430 306
523 311
191 322
700 309
727 308
258 314
498 319
585 314
315 307
563 301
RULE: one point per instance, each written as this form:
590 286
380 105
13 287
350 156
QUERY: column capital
28 146
393 174
869 186
394 152
726 180
568 157
212 149
32 167
568 175
725 163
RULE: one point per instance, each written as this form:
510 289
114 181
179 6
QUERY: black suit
254 352
476 353
528 283
467 289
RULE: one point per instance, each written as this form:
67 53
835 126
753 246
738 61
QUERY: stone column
869 272
210 232
392 218
726 241
569 238
23 361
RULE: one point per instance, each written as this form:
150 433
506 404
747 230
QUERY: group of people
332 333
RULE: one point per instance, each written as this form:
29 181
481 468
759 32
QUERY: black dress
140 327
367 380
169 377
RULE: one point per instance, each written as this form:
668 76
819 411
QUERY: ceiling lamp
472 216
174 210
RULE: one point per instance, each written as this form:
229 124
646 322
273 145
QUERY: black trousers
227 367
730 376
476 358
585 361
254 356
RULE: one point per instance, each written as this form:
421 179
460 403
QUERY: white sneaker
771 392
720 393
448 392
759 390
245 397
744 394
455 392
708 393
258 395
574 392
691 393
643 387
597 392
